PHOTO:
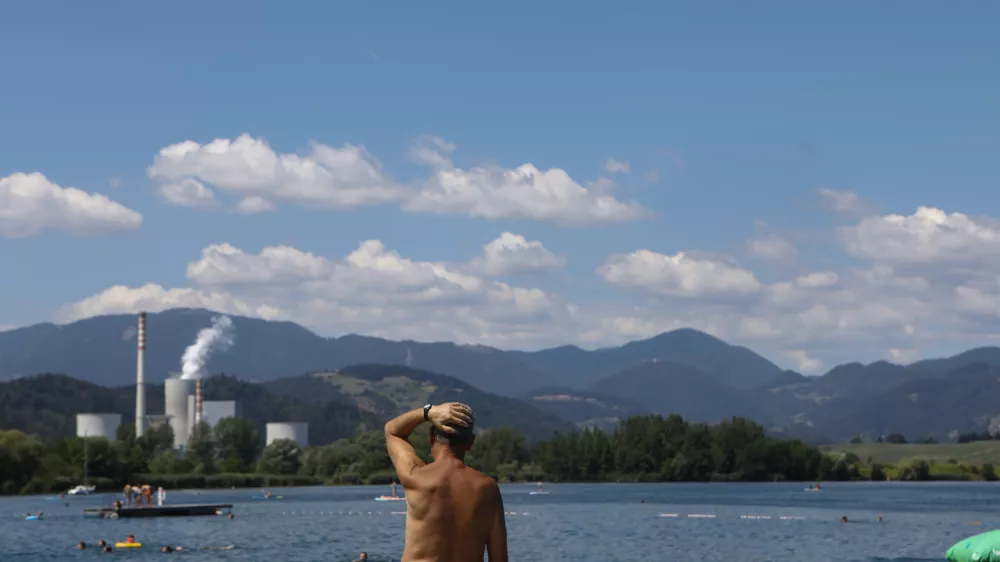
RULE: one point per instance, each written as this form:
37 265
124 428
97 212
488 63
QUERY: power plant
177 391
98 425
140 379
184 405
296 431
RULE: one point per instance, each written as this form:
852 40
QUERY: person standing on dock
454 513
161 496
127 492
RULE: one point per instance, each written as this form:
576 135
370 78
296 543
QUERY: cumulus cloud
253 205
512 253
680 275
845 202
432 151
613 166
804 362
247 167
187 193
523 193
30 204
372 290
771 246
154 298
903 356
928 236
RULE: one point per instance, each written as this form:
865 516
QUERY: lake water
574 522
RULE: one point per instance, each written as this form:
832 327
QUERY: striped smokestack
197 401
140 379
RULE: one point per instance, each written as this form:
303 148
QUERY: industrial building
184 408
213 410
98 425
296 431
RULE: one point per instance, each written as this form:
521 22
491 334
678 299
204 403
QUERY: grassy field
975 453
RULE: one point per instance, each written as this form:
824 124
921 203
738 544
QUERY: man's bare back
454 513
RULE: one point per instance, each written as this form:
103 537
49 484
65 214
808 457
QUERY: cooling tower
296 431
140 379
176 407
98 425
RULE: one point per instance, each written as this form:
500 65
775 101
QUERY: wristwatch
427 410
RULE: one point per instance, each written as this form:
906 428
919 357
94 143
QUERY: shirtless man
454 513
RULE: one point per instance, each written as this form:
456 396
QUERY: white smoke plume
217 336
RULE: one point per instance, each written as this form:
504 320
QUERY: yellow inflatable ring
128 545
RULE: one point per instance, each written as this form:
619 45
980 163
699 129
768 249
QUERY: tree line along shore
640 449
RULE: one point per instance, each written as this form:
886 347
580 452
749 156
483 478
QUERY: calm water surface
607 522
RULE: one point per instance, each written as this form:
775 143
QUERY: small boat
82 490
267 497
33 518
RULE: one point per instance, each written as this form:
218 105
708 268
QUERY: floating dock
180 510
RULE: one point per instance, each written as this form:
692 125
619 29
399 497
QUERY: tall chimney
140 380
197 401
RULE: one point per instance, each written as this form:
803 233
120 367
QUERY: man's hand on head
450 414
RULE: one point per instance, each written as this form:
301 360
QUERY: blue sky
730 116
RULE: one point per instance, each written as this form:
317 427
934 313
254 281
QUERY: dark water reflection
610 522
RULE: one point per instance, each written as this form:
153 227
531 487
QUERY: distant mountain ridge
684 371
102 350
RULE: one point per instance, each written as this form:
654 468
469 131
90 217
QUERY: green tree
238 443
283 456
988 473
200 449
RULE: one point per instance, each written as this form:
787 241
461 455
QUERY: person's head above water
81 545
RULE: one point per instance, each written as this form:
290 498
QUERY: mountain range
684 371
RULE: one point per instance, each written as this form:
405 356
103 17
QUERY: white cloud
512 253
845 202
154 298
253 205
30 204
929 236
432 151
372 290
804 362
6 327
680 275
771 246
613 166
324 177
903 356
522 193
187 193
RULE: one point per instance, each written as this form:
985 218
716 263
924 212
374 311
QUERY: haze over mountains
685 371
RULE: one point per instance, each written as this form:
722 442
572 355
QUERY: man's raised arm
404 456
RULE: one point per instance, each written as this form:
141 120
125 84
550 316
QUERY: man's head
363 556
460 441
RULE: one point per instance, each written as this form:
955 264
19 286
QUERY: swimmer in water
130 539
106 549
81 545
230 516
455 512
101 544
362 557
166 549
843 519
879 517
